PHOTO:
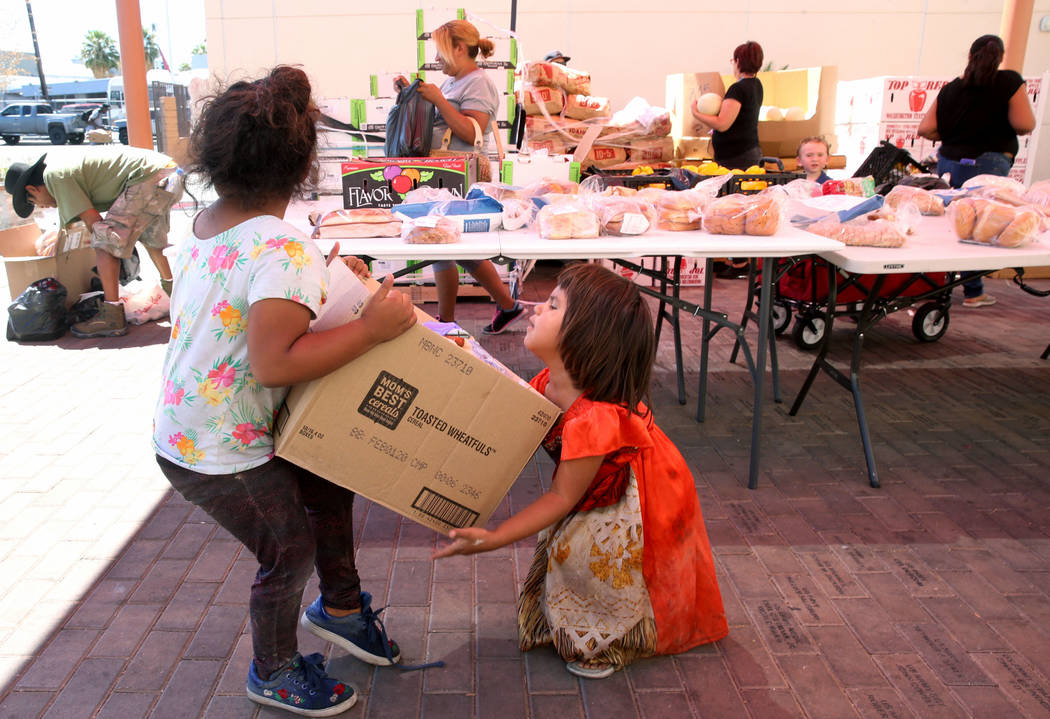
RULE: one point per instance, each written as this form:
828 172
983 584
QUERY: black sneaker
502 319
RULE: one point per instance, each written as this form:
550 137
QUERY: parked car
20 120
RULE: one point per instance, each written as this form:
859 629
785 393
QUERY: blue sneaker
362 635
302 687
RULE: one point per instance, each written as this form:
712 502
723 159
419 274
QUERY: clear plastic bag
621 215
995 187
988 222
1038 194
927 202
430 230
144 302
567 220
744 214
861 232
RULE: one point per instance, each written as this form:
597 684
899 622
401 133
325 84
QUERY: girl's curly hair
256 141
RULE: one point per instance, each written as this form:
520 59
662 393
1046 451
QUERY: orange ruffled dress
629 572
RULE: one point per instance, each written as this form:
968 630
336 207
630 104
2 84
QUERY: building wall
627 47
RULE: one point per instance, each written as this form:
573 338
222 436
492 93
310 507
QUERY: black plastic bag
409 124
39 313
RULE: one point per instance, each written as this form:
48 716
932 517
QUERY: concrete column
133 67
1017 20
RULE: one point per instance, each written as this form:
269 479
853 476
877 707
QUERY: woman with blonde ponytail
467 100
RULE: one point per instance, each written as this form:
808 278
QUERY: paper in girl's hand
346 296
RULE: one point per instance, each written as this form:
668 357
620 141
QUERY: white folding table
505 246
933 248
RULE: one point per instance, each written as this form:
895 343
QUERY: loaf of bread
430 230
624 215
994 187
1021 230
992 219
1038 193
743 215
678 211
876 233
762 217
567 221
619 191
548 185
963 214
927 202
653 149
543 100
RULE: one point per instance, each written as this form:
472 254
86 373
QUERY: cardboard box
370 113
522 170
682 91
419 425
71 264
692 148
384 181
812 89
504 55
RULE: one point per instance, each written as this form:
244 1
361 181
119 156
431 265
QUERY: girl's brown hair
607 342
748 57
256 141
986 53
463 32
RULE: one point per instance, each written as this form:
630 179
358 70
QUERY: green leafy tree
201 49
99 53
150 47
184 66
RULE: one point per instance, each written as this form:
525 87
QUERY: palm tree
99 53
150 47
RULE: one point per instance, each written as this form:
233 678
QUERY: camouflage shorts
142 213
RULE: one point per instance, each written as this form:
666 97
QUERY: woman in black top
734 140
734 136
977 118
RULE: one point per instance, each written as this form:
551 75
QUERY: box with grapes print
384 181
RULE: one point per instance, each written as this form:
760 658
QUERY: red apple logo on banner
917 100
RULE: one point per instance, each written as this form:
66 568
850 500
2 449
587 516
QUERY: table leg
866 320
676 325
705 341
760 378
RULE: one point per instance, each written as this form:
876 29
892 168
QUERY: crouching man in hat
557 56
136 188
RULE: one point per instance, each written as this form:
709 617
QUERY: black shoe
502 319
733 272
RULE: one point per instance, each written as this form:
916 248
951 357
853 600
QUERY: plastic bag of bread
605 156
994 187
574 81
1038 194
549 144
45 244
988 222
586 107
543 100
803 188
567 220
543 74
548 185
927 202
620 215
639 119
861 232
360 222
517 213
500 191
676 211
430 230
743 215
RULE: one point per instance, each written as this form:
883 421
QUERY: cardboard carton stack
890 108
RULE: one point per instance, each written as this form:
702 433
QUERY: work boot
108 322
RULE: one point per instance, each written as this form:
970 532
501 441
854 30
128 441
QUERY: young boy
813 158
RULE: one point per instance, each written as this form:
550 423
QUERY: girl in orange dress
623 567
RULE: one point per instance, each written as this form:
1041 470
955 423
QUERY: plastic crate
888 164
624 178
732 186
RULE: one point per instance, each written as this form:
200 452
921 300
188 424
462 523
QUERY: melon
709 103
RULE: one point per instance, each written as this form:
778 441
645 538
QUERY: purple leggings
291 520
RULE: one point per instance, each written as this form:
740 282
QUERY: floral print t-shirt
212 415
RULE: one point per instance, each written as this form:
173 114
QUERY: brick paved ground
929 597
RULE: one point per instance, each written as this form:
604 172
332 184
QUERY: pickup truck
17 121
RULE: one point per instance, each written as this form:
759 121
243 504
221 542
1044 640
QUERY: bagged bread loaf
743 215
566 130
1038 194
543 74
551 145
586 107
516 213
993 223
605 156
500 191
430 230
861 232
543 100
677 211
361 222
564 221
574 81
994 187
927 202
620 215
548 185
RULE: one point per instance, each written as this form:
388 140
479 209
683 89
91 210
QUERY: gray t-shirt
472 92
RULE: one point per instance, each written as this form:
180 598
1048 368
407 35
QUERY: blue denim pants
291 520
988 163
